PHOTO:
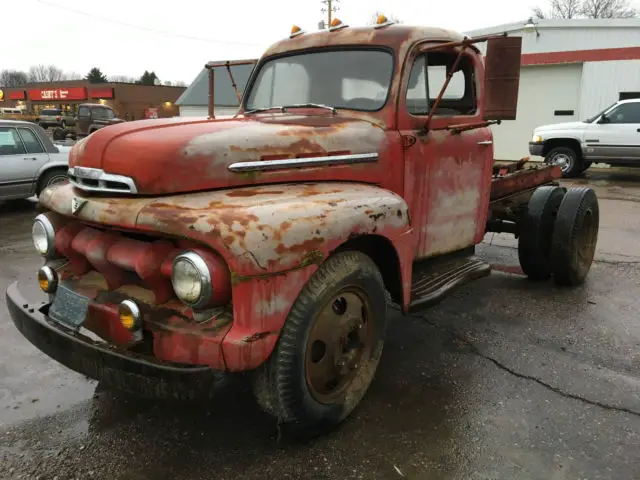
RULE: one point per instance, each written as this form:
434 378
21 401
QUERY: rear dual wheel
329 347
558 234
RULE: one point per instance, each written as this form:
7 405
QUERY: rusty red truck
359 169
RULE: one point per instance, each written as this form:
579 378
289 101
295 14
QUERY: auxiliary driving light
47 279
129 315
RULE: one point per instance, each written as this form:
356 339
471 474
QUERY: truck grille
96 180
121 259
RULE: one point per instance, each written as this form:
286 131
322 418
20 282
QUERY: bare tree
586 8
122 79
45 73
560 9
167 83
72 76
179 83
12 78
608 9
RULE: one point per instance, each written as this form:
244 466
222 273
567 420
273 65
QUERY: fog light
129 314
47 279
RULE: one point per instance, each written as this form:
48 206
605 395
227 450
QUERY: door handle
485 142
31 158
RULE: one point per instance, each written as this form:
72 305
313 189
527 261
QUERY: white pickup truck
612 137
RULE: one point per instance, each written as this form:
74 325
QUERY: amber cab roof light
295 31
383 21
336 24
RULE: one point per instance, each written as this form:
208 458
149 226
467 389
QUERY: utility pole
331 7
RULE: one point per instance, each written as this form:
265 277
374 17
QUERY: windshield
595 117
349 79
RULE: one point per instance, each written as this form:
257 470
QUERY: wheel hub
562 160
340 338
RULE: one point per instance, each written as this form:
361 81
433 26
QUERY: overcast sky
79 34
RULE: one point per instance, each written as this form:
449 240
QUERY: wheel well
47 172
384 255
571 143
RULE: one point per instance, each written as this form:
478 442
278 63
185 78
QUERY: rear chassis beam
511 190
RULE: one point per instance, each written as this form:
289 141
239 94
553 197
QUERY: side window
31 142
425 85
438 76
10 143
625 113
417 93
83 112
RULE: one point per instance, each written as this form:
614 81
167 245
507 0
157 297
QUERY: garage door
548 94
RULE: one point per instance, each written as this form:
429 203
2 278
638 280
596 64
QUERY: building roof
582 23
197 94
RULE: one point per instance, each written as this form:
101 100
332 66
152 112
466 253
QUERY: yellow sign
1 95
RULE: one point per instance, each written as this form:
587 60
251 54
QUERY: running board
434 279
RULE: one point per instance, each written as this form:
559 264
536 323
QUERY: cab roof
398 37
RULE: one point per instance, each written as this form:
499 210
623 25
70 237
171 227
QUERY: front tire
329 347
567 159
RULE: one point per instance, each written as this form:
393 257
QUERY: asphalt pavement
504 380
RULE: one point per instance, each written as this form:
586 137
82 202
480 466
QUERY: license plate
69 308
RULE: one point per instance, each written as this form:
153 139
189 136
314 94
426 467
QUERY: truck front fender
271 229
273 237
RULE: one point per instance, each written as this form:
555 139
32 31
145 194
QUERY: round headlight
191 279
43 235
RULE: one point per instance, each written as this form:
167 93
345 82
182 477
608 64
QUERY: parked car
29 161
612 136
17 114
55 117
92 117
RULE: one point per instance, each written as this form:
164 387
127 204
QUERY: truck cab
358 170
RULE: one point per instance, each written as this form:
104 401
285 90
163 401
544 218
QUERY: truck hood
177 155
561 126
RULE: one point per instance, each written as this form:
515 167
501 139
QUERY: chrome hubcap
562 160
57 180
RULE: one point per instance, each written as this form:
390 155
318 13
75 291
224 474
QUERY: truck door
447 175
616 136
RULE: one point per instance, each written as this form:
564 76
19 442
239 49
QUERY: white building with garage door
571 70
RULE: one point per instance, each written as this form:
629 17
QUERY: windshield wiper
283 108
309 105
263 109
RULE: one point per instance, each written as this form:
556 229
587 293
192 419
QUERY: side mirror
502 78
604 119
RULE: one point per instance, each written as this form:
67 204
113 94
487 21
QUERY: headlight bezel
204 274
50 235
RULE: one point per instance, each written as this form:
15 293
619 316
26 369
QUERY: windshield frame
357 47
602 112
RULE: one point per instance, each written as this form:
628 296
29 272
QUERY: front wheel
567 159
329 347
